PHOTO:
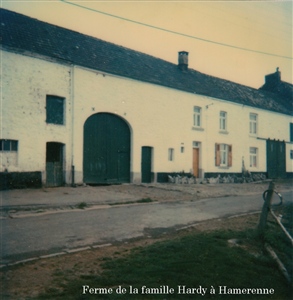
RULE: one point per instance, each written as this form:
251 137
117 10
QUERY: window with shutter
223 155
217 155
230 156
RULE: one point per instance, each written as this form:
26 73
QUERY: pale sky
260 26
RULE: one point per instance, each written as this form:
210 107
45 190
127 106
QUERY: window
291 132
252 123
223 120
223 155
196 116
253 157
170 154
291 154
8 145
196 144
55 110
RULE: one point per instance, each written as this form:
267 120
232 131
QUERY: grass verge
143 200
199 261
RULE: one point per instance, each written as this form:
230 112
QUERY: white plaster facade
157 116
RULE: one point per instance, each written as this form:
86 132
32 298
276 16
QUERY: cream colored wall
158 117
162 118
25 83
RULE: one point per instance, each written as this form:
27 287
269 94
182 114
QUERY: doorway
146 164
106 150
276 159
54 164
196 159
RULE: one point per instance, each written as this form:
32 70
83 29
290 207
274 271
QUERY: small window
253 157
223 155
8 145
55 110
253 123
291 132
223 120
291 154
170 154
196 116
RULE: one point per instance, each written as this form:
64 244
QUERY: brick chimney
183 60
273 79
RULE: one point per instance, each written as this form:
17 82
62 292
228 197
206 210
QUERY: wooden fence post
265 210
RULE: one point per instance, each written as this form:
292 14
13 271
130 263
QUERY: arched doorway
106 150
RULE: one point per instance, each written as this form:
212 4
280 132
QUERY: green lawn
186 268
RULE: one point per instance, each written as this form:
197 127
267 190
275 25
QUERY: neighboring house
76 109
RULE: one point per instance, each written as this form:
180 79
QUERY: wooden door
146 164
54 164
106 150
195 162
276 159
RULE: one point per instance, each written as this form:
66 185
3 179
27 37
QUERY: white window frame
197 116
223 120
253 123
171 154
253 157
224 149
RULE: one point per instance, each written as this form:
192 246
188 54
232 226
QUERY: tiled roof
27 35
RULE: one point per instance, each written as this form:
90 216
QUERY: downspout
72 126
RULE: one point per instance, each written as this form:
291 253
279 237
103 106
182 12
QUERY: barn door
106 151
146 164
276 159
54 164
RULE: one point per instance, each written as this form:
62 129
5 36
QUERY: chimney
183 60
273 79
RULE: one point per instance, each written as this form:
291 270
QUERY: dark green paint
146 164
106 151
276 159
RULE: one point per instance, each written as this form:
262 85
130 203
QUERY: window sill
223 167
197 128
224 132
55 124
253 135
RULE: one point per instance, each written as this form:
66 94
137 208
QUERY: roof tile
24 34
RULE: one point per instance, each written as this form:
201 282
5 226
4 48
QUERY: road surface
43 234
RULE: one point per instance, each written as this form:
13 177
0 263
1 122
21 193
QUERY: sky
232 40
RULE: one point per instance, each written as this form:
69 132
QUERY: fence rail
266 209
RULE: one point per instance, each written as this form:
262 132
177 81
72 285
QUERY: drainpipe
72 125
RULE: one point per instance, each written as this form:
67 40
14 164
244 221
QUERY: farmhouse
76 109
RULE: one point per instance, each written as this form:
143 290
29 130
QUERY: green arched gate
106 150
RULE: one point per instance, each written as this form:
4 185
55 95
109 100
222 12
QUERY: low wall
20 180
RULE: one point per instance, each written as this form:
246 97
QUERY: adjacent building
76 109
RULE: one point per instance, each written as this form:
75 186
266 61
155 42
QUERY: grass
82 205
196 260
275 237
